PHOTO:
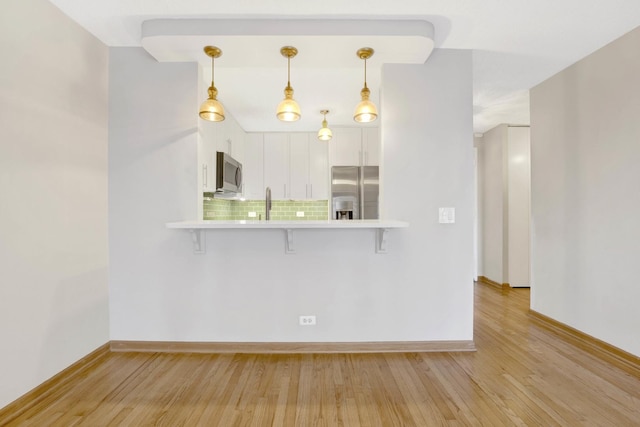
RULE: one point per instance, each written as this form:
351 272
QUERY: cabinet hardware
204 176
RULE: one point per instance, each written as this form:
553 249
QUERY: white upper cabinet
370 146
230 138
252 167
309 167
318 168
276 165
226 136
354 147
207 147
294 165
299 165
345 148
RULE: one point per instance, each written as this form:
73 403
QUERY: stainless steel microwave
228 174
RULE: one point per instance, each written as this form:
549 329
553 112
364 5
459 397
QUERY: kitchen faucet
267 204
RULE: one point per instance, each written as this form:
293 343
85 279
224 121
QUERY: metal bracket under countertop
198 236
289 249
382 235
199 239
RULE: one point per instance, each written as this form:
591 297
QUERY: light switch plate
447 215
300 214
252 215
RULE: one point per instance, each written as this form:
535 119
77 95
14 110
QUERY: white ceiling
516 44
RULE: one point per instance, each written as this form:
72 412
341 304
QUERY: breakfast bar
197 229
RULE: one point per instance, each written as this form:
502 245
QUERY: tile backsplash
283 210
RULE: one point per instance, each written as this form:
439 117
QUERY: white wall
153 179
53 184
427 163
494 205
245 288
479 201
586 194
518 205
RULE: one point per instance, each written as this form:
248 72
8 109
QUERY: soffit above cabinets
325 74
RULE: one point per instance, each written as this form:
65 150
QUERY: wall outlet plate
252 215
307 320
300 214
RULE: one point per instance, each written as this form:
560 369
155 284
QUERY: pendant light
366 110
288 109
211 109
324 134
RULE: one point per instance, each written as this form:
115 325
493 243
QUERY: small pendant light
324 134
211 109
366 110
288 109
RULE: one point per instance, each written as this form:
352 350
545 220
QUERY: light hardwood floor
523 373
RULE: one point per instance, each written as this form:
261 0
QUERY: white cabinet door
220 135
346 147
318 168
295 166
355 147
276 165
371 146
252 167
299 166
207 155
237 143
231 138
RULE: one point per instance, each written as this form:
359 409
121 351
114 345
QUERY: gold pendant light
288 109
211 109
366 110
324 134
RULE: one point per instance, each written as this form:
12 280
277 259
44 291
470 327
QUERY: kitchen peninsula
245 288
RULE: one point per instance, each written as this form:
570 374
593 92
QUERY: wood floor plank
523 373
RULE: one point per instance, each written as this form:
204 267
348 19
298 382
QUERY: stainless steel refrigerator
354 192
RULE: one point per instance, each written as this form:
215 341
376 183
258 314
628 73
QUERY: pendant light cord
288 70
212 69
365 72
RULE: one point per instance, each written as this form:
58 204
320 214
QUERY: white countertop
198 228
301 224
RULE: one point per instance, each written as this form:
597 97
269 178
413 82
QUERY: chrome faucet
267 204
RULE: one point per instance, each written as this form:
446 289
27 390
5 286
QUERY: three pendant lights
288 109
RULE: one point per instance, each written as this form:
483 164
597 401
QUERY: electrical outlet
307 320
252 214
300 214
